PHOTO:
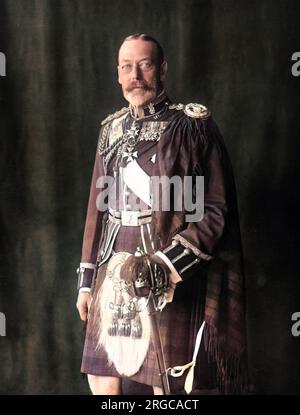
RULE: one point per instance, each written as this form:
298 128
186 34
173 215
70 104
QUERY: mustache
142 85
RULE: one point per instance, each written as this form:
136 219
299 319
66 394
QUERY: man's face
139 74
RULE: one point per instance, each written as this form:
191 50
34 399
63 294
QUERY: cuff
85 290
184 257
86 273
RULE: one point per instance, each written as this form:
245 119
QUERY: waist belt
130 217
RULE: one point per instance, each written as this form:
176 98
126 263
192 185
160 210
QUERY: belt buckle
129 218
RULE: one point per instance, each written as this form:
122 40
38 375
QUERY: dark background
232 56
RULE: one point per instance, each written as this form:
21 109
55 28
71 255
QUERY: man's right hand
83 304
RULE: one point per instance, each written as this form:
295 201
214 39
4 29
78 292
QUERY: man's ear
163 70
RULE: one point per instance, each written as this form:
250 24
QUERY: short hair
148 38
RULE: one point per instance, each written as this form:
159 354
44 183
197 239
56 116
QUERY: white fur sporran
126 352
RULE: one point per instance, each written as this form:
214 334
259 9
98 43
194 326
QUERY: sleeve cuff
86 273
183 258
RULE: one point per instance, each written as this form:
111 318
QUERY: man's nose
136 72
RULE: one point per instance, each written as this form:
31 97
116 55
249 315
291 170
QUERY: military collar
154 107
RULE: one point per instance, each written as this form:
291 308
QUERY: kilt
178 323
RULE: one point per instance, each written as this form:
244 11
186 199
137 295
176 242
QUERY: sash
138 181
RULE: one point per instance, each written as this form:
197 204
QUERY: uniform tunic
180 320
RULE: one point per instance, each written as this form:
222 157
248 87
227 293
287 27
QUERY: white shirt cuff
84 290
174 277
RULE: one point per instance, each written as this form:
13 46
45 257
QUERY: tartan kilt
178 323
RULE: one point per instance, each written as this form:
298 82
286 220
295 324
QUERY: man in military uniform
199 309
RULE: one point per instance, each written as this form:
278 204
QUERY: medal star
130 156
132 132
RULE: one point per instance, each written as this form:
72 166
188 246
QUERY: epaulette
115 115
193 110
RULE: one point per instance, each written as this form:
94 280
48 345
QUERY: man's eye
126 67
146 65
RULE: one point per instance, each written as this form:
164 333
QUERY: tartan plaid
178 324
